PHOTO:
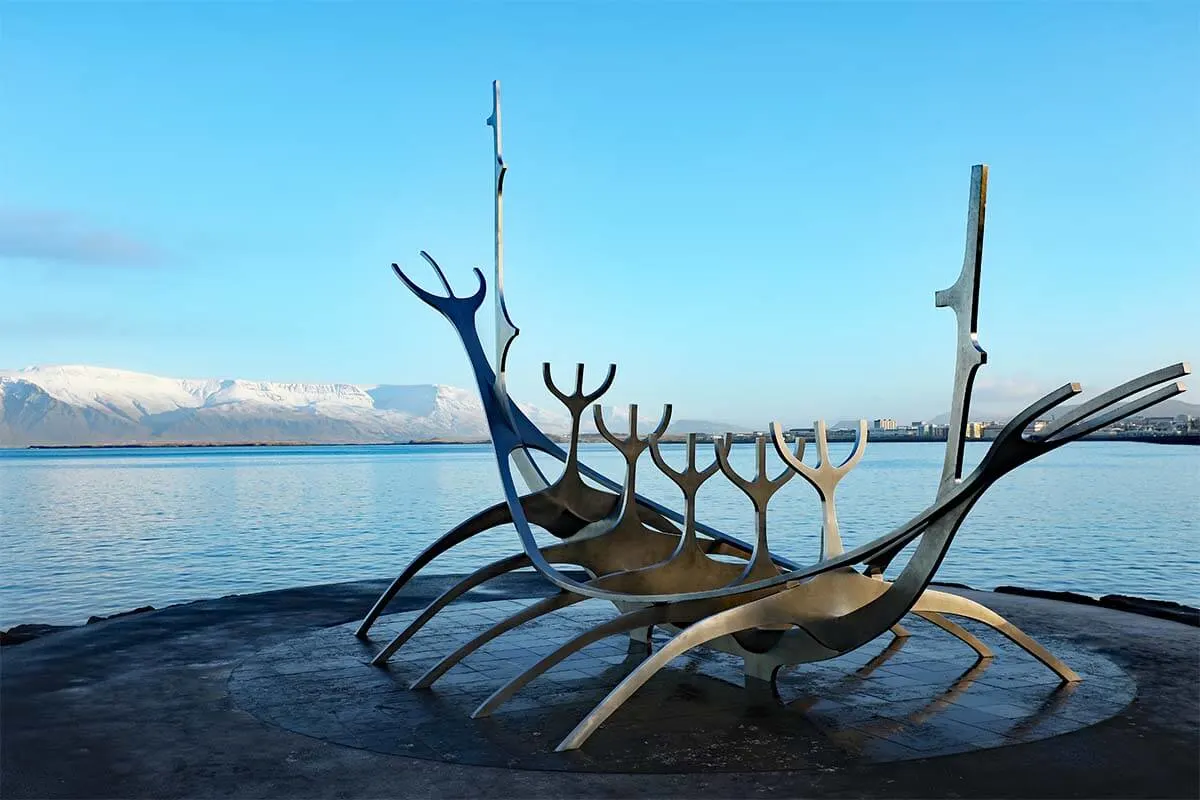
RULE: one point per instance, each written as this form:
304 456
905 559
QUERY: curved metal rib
483 521
944 603
1083 428
584 552
533 611
563 510
481 575
631 621
1112 396
753 614
957 631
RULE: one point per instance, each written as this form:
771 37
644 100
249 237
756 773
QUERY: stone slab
895 699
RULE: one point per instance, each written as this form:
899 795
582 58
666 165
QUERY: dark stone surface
1163 609
1046 594
92 620
922 696
141 707
19 634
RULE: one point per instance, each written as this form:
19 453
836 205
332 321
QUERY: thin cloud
69 327
1007 390
55 236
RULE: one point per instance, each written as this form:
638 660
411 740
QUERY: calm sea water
101 531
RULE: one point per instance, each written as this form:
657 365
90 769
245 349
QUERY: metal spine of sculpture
506 331
764 608
963 298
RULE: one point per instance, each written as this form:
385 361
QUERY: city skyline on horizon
232 211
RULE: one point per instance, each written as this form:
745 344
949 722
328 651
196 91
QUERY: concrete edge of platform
1161 609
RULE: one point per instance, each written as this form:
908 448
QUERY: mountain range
73 405
84 405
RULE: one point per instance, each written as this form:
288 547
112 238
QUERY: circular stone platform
890 701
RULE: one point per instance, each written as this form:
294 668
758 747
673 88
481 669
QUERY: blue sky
747 207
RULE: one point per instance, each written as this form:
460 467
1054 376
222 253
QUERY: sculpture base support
760 675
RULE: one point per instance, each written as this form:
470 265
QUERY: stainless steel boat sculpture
765 608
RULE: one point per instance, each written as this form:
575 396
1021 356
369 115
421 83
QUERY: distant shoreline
1167 439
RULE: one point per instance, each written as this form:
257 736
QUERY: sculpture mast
505 330
963 297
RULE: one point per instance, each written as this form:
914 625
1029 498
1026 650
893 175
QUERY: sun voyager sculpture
664 569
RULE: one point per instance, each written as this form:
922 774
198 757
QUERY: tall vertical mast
505 330
963 297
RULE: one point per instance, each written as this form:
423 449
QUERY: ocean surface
87 532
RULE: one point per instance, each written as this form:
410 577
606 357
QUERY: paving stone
911 698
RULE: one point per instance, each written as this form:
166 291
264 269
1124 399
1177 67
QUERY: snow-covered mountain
67 405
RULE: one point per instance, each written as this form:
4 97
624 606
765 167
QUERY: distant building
991 430
884 424
975 430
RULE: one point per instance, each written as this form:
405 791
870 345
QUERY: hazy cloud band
62 238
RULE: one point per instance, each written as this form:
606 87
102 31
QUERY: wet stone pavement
893 700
